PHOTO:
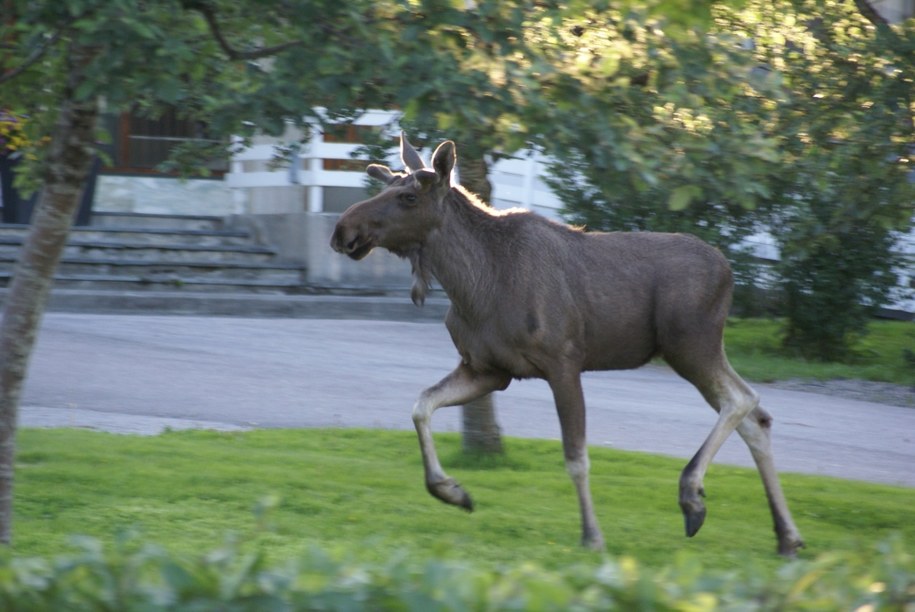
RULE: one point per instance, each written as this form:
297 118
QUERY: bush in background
781 116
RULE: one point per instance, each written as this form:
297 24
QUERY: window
140 145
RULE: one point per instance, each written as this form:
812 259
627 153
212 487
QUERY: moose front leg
733 399
461 386
570 406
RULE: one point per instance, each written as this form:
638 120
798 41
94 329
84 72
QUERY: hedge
132 576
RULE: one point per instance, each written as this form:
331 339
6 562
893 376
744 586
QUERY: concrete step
229 270
396 308
175 254
103 284
288 281
11 233
149 221
105 251
172 253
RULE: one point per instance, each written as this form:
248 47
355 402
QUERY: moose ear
382 173
410 157
443 160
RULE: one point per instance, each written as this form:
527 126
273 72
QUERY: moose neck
459 253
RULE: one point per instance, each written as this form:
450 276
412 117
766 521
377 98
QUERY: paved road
140 374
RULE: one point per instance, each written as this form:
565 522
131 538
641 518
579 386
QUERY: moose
533 298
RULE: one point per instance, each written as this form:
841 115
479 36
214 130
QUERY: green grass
360 493
754 350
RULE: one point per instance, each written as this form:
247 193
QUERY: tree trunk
480 434
66 169
480 430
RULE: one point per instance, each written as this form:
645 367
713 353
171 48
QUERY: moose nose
337 241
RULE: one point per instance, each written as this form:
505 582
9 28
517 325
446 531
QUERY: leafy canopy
797 117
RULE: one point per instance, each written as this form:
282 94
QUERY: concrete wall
273 200
304 238
161 195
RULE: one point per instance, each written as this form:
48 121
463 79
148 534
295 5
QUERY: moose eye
409 198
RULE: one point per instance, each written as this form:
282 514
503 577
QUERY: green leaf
681 197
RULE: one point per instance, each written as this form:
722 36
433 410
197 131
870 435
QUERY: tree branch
204 8
35 57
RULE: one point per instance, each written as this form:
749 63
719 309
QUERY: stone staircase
178 264
143 253
123 255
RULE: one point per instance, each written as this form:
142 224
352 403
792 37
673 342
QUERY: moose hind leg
459 387
755 430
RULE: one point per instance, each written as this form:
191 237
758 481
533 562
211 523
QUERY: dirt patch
863 390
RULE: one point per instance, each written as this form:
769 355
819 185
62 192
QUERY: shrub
138 576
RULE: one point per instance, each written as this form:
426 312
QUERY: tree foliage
793 117
845 119
638 116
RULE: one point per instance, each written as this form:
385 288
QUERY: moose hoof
693 520
693 513
450 492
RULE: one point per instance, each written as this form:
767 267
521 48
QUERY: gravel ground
863 390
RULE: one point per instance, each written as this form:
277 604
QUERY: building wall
160 195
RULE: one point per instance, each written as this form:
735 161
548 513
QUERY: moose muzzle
350 241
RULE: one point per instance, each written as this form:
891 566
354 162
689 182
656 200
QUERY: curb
392 308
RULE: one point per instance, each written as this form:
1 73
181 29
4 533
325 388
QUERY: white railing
516 181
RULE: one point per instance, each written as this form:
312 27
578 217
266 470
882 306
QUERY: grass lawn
754 350
360 493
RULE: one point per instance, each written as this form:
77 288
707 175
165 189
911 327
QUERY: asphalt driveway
140 374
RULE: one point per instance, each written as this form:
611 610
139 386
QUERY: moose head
401 217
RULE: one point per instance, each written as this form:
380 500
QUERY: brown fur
531 298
